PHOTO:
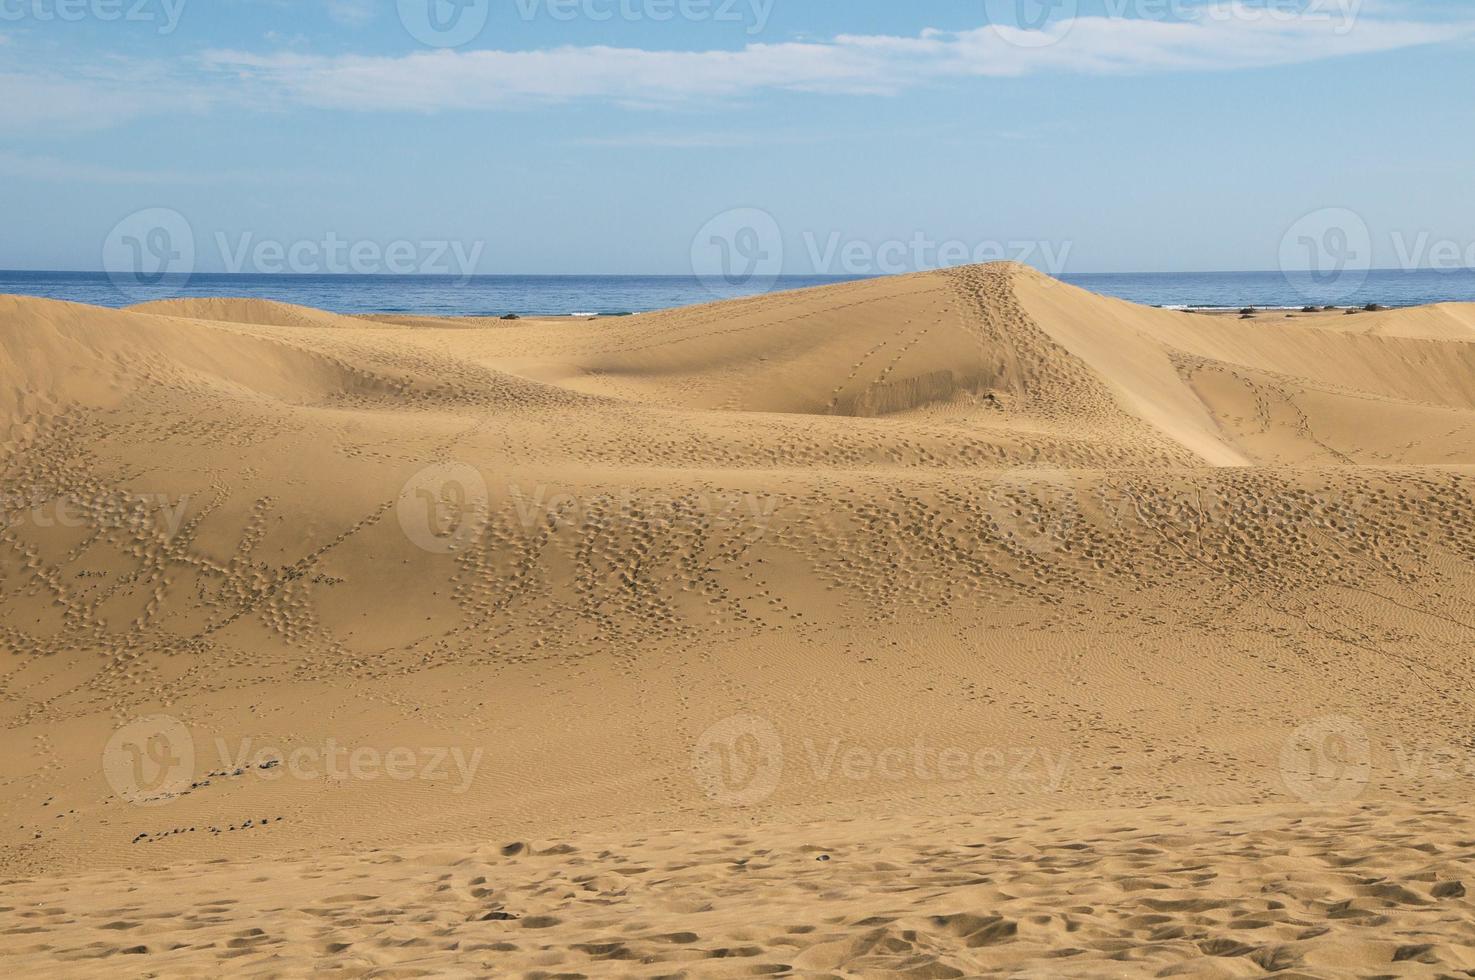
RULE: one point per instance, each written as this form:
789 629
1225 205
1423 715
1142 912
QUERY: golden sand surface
945 625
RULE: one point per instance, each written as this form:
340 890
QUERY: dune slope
640 646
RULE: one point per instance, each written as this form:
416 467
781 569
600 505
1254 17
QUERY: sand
945 625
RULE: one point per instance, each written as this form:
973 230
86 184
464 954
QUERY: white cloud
47 95
1221 37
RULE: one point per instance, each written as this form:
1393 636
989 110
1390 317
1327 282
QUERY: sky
795 136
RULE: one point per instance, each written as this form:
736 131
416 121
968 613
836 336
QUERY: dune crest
258 312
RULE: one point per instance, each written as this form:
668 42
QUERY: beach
938 625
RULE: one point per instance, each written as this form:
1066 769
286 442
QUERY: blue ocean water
561 295
417 294
1289 290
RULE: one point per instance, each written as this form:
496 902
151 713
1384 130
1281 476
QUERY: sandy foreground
944 625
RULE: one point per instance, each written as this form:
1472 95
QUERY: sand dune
942 625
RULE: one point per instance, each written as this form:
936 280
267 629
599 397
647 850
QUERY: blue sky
603 136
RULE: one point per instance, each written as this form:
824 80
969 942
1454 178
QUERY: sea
614 295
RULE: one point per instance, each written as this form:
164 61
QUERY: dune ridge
257 312
1147 631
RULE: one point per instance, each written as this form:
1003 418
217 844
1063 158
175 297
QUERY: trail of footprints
669 567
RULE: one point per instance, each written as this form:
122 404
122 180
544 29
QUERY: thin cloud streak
856 65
